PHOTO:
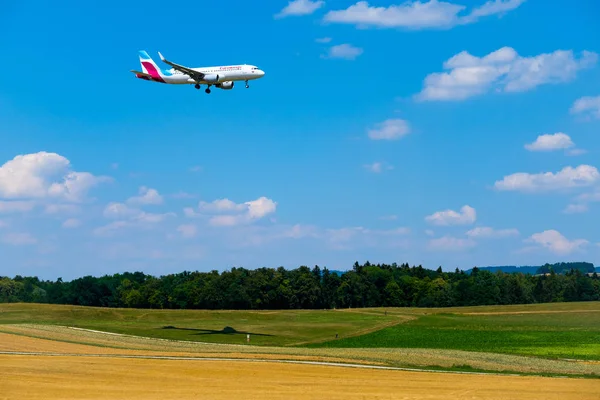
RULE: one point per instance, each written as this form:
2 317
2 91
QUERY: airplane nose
261 72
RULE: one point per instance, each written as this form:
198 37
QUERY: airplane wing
193 74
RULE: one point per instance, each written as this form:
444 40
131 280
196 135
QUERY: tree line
365 285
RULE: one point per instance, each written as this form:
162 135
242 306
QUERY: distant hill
559 268
510 269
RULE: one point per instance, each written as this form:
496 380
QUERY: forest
365 285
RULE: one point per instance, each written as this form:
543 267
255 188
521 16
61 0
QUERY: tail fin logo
149 66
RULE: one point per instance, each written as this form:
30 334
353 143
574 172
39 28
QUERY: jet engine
211 78
225 85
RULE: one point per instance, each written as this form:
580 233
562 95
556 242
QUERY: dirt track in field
42 377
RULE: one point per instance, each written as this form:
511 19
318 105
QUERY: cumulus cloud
449 243
568 177
45 175
415 15
345 51
147 196
484 232
323 40
467 215
300 7
230 213
377 167
18 239
391 129
588 106
502 70
556 242
550 142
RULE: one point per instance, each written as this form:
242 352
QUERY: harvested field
39 377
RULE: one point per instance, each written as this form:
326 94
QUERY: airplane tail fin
149 66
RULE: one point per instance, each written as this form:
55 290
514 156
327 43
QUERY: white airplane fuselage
213 75
222 77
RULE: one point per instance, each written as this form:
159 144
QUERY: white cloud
300 7
416 15
299 231
487 232
377 167
345 51
147 196
467 215
187 230
323 40
576 152
44 175
580 204
119 211
550 142
449 243
221 205
502 71
18 239
429 232
568 177
71 223
589 197
587 105
233 213
390 129
129 217
575 208
556 242
8 207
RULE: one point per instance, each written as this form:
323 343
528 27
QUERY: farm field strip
51 338
100 378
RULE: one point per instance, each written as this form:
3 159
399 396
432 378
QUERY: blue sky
454 133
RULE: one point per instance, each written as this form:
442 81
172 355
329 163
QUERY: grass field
561 335
471 338
268 328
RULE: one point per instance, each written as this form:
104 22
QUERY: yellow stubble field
83 374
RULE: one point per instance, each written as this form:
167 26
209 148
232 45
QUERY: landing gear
197 86
247 86
207 89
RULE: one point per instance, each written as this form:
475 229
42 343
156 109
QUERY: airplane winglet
161 56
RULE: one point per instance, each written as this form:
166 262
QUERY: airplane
223 77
